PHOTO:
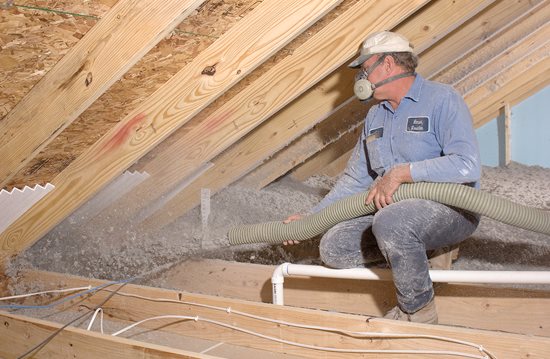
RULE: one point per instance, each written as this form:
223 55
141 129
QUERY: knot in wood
209 70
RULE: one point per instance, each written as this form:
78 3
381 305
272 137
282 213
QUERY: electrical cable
54 334
372 335
308 346
94 289
98 310
46 292
313 327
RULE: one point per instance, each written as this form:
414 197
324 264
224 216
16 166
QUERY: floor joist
128 307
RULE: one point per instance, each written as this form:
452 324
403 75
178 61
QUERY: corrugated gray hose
451 194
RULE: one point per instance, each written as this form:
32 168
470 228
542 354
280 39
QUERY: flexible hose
451 194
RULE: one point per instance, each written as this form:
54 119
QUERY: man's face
376 74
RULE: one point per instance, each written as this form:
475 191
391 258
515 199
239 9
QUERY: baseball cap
380 42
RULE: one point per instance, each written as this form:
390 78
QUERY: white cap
381 42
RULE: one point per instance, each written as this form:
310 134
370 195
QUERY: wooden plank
499 62
247 44
496 45
492 308
126 33
513 91
475 32
503 345
477 95
302 114
19 334
504 126
322 53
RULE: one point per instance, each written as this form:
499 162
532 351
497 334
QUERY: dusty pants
404 231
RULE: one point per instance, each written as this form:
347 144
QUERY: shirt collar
413 93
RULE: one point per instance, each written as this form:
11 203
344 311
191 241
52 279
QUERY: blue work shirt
431 129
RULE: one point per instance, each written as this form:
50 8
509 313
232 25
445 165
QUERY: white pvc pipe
447 276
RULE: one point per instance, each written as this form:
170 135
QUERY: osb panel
192 36
32 41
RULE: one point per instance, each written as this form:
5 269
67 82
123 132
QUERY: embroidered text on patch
418 124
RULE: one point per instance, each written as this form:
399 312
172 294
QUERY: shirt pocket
375 157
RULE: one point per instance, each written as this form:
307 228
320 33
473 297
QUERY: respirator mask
364 89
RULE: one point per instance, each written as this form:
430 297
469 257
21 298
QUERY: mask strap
393 78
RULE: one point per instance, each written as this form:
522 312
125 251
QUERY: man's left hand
384 187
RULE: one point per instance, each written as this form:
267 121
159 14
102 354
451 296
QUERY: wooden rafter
246 45
121 38
312 61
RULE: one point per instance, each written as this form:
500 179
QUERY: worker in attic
417 131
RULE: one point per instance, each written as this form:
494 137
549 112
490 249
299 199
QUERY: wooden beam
514 32
519 68
474 33
530 30
131 308
304 112
252 40
311 62
122 37
512 90
492 308
498 62
19 334
503 125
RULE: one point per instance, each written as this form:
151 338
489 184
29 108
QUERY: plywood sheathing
192 36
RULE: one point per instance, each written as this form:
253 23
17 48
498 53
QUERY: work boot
442 258
427 314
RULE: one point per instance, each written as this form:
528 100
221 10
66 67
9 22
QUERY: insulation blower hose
451 194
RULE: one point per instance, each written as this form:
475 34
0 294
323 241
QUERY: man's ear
389 63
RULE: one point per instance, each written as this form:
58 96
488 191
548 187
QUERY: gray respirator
364 89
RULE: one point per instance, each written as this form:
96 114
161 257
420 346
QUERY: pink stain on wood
122 135
215 122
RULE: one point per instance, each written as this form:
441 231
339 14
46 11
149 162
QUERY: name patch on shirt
375 133
418 124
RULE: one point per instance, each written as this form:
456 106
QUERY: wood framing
127 307
489 307
311 62
504 146
19 334
295 118
122 37
246 45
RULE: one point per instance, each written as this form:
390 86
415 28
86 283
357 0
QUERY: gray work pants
403 232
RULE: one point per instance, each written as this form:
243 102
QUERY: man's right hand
292 218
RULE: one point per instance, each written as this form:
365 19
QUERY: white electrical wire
329 349
46 292
331 329
98 310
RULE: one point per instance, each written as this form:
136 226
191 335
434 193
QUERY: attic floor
107 247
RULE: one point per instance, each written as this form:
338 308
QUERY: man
419 131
